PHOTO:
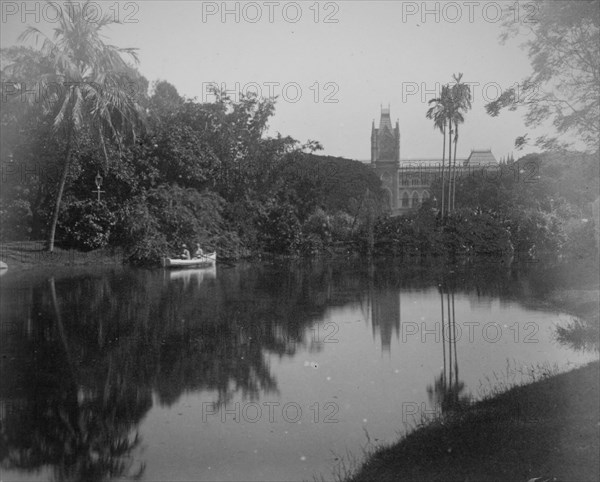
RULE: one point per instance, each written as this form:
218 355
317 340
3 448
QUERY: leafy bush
15 220
141 235
86 224
318 224
471 232
329 183
230 246
535 232
581 241
278 226
156 223
341 226
310 244
481 233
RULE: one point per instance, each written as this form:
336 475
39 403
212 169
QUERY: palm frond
30 32
81 83
61 115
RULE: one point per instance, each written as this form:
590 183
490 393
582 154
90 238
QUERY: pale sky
376 53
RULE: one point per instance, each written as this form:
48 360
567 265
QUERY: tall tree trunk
454 176
449 163
443 166
450 177
450 384
59 194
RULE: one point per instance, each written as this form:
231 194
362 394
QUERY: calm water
258 372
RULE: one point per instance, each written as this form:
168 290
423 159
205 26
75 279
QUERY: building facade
407 182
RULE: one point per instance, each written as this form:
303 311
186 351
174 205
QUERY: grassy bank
549 428
32 254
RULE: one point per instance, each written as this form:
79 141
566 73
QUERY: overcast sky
332 64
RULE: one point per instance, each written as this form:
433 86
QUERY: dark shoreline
549 428
20 255
31 254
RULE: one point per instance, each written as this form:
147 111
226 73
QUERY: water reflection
447 391
85 357
385 315
59 410
188 276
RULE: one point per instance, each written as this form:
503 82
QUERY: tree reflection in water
446 393
90 352
81 426
85 357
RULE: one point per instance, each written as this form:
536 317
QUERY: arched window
405 200
415 199
424 196
387 197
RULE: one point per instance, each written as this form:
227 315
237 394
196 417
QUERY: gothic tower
385 155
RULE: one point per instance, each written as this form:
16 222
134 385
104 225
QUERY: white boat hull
207 260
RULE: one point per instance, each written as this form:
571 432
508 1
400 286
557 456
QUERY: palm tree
439 113
451 117
461 102
455 118
84 88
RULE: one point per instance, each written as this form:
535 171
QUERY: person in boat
185 252
199 253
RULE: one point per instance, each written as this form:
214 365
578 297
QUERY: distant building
407 182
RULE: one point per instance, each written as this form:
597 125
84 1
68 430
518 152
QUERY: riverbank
32 254
549 428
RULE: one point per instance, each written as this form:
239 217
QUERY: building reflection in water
385 315
85 357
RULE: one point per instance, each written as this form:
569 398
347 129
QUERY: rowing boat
207 260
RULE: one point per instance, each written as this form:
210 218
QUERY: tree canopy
563 45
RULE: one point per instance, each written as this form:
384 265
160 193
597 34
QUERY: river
270 371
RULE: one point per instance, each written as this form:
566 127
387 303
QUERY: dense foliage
198 173
538 205
563 45
207 172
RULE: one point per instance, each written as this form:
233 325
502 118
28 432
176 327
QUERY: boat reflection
196 275
86 357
